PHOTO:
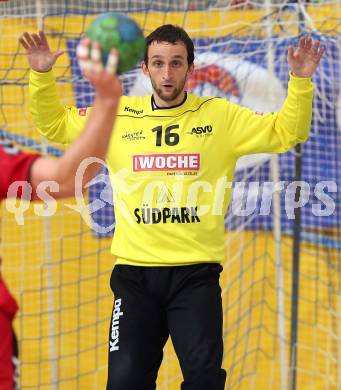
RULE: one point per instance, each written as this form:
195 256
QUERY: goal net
281 284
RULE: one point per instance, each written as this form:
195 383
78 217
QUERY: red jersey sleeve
14 166
8 304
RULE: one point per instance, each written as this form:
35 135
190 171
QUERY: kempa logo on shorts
115 331
166 162
132 110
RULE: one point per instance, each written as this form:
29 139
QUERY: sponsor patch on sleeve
82 111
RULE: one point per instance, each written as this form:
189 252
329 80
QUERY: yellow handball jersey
171 169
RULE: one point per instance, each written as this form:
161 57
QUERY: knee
120 383
123 382
124 377
205 379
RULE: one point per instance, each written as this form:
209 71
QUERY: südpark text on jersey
154 215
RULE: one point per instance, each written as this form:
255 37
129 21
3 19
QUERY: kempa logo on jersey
133 136
132 110
166 162
115 331
202 131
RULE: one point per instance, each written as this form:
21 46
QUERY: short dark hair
172 34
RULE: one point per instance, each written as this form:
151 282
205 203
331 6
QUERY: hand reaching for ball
89 58
103 78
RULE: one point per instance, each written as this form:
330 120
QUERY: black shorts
152 303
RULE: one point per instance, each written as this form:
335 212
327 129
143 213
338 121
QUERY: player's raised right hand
102 77
39 54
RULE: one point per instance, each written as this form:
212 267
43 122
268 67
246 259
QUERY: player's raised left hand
304 59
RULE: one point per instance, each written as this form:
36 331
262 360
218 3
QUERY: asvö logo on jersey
201 131
166 162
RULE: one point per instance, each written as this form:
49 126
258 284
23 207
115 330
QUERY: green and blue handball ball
116 30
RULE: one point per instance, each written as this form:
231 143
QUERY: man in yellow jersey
171 195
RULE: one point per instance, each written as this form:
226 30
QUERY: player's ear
191 69
145 69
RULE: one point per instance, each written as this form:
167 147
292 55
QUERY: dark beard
173 96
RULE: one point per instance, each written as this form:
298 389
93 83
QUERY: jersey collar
156 107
